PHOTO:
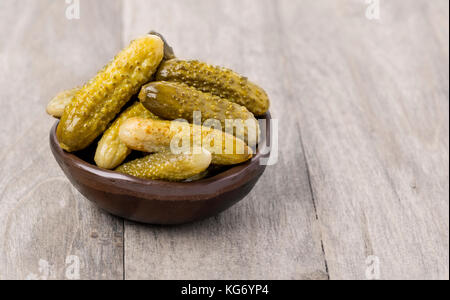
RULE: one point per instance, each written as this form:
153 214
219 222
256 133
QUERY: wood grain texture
274 232
363 170
44 222
373 112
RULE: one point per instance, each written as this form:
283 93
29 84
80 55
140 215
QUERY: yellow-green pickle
102 98
218 81
167 166
151 136
111 152
58 104
172 100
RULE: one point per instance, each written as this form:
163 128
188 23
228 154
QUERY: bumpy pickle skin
218 81
158 136
111 152
172 101
167 166
101 99
57 105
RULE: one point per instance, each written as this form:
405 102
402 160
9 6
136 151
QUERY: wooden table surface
362 180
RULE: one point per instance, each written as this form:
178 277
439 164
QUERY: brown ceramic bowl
160 202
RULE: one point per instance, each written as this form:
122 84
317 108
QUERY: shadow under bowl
161 202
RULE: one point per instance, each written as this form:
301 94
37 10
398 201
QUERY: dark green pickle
218 81
172 100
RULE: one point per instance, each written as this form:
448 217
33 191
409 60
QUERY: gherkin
167 166
57 105
102 98
218 81
172 100
111 152
152 136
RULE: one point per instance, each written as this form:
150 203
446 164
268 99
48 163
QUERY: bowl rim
228 180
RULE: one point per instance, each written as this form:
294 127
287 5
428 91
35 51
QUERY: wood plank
273 233
46 227
373 109
366 102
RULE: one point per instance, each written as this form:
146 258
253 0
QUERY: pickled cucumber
57 105
167 166
102 98
172 100
157 136
218 81
111 152
168 51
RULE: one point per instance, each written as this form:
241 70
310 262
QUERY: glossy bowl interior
161 202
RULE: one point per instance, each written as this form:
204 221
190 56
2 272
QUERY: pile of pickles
149 101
